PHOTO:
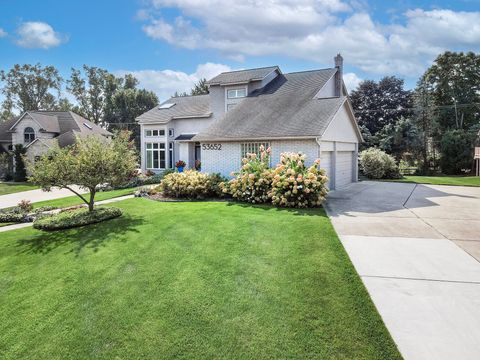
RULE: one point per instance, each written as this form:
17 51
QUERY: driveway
10 200
417 250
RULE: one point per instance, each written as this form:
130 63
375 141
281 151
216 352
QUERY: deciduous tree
90 162
30 87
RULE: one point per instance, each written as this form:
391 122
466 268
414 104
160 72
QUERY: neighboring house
306 112
37 131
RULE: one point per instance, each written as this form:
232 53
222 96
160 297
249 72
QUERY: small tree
18 154
90 162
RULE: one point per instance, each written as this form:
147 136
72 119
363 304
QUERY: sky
170 44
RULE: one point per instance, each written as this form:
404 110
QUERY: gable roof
185 107
285 108
242 76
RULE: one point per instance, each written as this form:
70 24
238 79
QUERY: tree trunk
92 200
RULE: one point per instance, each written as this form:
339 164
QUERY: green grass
75 200
442 180
187 280
12 187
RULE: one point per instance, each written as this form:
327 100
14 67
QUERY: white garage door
344 168
326 162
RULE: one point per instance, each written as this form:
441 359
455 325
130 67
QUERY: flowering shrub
25 205
377 164
296 185
253 182
190 184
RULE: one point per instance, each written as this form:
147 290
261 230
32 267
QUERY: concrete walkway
417 250
10 200
102 202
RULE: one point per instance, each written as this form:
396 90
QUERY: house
37 131
306 112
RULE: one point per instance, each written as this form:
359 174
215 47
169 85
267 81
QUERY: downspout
319 142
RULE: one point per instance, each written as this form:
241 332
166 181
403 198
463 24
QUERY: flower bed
75 218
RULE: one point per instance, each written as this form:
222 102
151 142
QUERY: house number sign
211 146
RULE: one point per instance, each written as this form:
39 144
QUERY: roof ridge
305 71
184 96
257 68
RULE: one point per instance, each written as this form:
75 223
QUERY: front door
198 159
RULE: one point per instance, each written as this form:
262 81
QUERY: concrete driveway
417 250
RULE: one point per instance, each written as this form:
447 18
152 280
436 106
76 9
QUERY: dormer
230 88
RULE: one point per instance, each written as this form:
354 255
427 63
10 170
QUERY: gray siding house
306 112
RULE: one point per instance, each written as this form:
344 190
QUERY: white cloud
351 81
165 82
36 34
3 33
316 30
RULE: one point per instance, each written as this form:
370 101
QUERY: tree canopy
90 162
29 87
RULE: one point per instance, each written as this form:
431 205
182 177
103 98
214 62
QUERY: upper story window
154 132
28 135
171 132
236 93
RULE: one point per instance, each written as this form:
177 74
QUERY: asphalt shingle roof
285 107
185 107
65 123
241 76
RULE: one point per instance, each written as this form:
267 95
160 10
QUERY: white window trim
252 147
236 90
159 150
151 133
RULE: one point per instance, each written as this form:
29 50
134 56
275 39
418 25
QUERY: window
236 93
230 106
154 133
170 155
166 106
155 155
253 148
28 135
171 132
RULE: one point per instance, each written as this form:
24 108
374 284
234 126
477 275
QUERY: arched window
28 135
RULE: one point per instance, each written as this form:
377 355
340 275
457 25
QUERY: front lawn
187 280
75 200
14 187
442 180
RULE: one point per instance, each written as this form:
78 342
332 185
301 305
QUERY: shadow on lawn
317 211
90 236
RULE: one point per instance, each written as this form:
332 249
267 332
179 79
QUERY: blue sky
169 44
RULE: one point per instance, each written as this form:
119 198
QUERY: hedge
76 218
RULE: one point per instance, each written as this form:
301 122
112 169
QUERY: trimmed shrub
76 218
377 164
190 184
12 217
253 182
296 185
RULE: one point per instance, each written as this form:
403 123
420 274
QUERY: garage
340 163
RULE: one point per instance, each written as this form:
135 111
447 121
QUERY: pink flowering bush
253 182
296 185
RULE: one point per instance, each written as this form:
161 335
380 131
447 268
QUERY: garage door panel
344 168
326 163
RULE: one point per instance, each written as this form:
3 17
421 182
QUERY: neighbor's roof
59 122
242 76
6 136
286 107
184 107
